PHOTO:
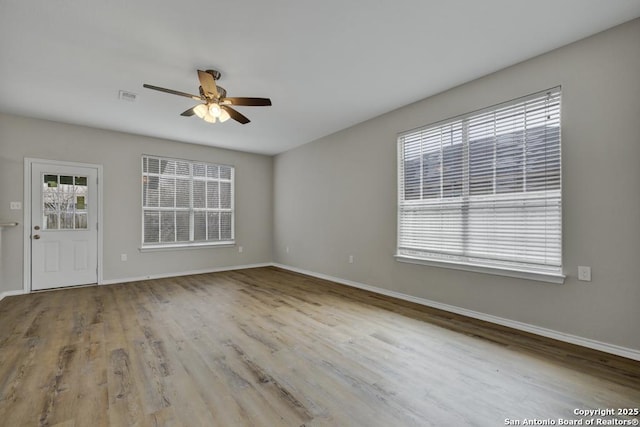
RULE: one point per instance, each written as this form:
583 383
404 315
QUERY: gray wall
337 196
120 153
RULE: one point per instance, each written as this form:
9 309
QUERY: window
483 191
186 203
64 200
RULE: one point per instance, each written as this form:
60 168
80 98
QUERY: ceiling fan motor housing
215 73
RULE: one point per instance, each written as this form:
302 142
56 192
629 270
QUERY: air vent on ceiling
127 96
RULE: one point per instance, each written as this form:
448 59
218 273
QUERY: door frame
28 161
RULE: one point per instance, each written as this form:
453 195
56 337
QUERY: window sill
521 274
159 248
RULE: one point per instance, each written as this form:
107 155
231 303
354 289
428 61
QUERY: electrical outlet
584 273
15 206
240 249
286 249
350 259
123 257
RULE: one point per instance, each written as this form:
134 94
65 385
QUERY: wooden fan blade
173 92
208 83
251 102
189 112
235 115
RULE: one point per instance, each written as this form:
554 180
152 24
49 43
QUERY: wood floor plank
267 347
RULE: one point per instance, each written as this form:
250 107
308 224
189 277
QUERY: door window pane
50 202
80 203
65 202
81 221
50 221
66 220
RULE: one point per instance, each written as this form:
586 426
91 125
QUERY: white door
64 225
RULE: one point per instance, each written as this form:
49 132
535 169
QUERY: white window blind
186 202
484 189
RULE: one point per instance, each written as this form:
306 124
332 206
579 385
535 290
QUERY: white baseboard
549 333
10 294
183 273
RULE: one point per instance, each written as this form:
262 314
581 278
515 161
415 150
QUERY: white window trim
517 272
466 266
159 247
182 246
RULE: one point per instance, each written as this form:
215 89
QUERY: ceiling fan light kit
211 113
216 104
215 110
224 116
201 110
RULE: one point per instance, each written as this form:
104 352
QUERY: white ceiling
326 65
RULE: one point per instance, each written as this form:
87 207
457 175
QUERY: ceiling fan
216 105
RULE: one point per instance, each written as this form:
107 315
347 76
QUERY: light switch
15 206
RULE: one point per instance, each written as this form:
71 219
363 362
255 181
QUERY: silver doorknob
36 236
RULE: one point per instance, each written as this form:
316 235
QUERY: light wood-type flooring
267 347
